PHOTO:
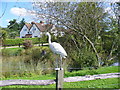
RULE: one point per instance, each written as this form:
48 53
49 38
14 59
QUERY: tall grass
15 66
27 63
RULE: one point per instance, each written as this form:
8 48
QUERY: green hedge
17 41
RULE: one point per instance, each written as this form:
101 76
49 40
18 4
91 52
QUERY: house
34 29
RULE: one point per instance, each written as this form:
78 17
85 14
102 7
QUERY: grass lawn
102 70
99 83
36 77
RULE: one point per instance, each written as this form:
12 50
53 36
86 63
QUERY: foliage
21 24
83 26
12 34
40 55
27 44
42 39
3 34
29 62
17 41
14 27
91 34
7 52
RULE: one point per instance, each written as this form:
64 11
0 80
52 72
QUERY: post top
58 68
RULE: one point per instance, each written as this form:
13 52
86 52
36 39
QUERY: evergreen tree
15 27
22 23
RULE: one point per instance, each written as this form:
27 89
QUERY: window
29 32
35 36
34 29
25 29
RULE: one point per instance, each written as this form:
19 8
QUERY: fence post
59 78
19 44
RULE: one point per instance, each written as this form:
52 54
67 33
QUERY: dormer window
25 29
34 29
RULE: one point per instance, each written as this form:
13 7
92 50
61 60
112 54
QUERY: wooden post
59 74
59 78
19 44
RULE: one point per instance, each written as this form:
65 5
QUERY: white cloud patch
22 12
7 20
19 11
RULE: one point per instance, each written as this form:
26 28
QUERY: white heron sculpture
56 48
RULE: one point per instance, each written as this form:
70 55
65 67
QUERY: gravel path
69 79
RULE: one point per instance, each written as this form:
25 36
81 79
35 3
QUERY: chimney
32 22
41 22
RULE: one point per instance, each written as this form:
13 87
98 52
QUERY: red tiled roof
28 25
42 27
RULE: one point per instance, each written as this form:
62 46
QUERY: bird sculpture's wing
58 49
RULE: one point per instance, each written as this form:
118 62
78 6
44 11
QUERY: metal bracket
58 68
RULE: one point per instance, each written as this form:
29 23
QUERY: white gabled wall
35 31
23 32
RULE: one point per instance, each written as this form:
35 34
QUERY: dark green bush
40 57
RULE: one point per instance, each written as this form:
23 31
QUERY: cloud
22 12
7 20
19 11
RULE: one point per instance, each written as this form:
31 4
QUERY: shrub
27 44
11 51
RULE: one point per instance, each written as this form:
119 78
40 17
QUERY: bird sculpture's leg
57 62
60 62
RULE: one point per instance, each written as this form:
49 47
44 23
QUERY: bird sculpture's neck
49 40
